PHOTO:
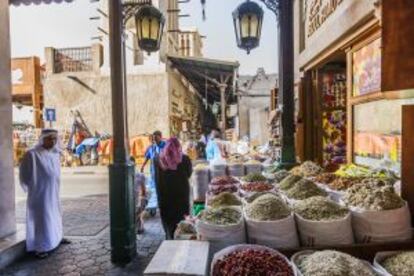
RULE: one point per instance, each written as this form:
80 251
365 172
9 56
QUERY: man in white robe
40 178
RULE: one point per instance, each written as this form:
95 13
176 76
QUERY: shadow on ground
89 255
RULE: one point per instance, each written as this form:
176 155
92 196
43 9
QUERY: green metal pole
286 83
121 172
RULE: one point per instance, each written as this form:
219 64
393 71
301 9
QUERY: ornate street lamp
283 9
150 24
248 19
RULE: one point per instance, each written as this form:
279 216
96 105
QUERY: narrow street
84 194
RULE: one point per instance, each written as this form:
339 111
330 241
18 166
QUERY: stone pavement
91 256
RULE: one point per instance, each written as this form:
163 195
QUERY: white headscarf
48 132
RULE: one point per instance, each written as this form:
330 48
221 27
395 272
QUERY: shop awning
37 2
206 75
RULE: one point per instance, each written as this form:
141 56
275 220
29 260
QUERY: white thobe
40 178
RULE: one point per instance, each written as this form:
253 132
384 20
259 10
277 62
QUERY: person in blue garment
154 150
215 148
151 154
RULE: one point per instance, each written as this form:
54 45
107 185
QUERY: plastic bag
380 257
275 234
381 226
325 233
243 148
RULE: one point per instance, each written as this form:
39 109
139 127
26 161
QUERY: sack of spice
270 222
224 199
224 180
323 222
307 169
222 227
254 177
253 166
378 214
255 187
185 231
250 198
247 259
288 182
329 263
280 175
216 190
304 189
223 184
236 169
395 263
200 181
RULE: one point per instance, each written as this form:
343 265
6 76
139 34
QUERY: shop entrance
324 111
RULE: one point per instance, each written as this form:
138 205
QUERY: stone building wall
90 94
254 106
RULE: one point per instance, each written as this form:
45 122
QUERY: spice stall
306 221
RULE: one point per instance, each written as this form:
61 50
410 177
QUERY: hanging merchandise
203 3
215 108
333 98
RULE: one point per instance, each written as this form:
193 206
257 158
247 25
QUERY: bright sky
67 25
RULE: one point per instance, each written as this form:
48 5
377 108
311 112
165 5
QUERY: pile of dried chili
250 262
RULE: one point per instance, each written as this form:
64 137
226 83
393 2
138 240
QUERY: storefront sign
319 12
367 69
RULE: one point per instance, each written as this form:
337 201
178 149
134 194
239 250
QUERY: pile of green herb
373 197
332 263
288 182
221 216
224 199
254 177
307 169
320 208
251 198
280 175
267 207
304 189
401 264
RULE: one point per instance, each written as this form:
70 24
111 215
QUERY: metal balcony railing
73 60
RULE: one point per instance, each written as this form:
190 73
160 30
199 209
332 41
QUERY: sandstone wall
90 94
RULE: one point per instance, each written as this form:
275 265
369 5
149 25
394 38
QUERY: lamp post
248 19
150 24
286 82
121 172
